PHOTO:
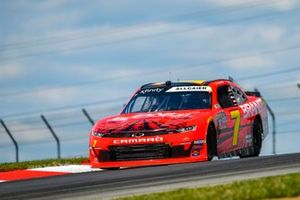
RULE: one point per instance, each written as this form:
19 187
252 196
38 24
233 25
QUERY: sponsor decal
249 138
139 140
197 145
190 89
150 90
252 108
222 120
195 152
199 142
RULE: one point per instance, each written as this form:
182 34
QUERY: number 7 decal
237 116
95 143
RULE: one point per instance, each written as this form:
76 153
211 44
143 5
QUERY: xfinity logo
151 90
139 140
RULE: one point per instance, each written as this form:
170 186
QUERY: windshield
155 100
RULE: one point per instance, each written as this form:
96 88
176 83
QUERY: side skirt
240 152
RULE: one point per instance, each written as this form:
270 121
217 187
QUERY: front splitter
139 163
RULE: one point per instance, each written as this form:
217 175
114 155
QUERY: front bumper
128 152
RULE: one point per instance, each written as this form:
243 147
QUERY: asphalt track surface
108 184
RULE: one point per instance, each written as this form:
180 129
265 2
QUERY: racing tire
257 137
211 143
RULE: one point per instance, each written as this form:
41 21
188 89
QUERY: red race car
180 122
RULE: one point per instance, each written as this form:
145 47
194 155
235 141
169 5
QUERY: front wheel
211 143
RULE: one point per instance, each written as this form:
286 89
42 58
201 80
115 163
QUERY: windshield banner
190 89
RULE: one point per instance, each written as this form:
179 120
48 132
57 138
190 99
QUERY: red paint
27 174
141 122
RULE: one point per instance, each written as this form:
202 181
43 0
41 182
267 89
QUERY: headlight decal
186 129
97 134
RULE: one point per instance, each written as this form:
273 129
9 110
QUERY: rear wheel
257 137
211 143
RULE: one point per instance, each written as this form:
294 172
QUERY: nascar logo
139 140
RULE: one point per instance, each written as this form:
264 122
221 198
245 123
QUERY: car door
229 140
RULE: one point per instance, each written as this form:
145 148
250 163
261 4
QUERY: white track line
67 169
2 181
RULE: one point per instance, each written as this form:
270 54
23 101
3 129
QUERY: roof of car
180 83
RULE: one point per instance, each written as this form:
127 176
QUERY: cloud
91 39
276 4
250 63
53 4
75 41
268 33
54 96
286 4
28 133
11 71
212 43
37 5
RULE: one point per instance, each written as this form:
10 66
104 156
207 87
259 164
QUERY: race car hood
149 122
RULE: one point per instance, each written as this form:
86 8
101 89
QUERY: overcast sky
62 53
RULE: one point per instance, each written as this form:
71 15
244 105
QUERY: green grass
4 167
264 188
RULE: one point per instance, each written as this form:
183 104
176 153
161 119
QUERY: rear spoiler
250 93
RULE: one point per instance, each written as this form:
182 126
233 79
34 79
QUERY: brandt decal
252 108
